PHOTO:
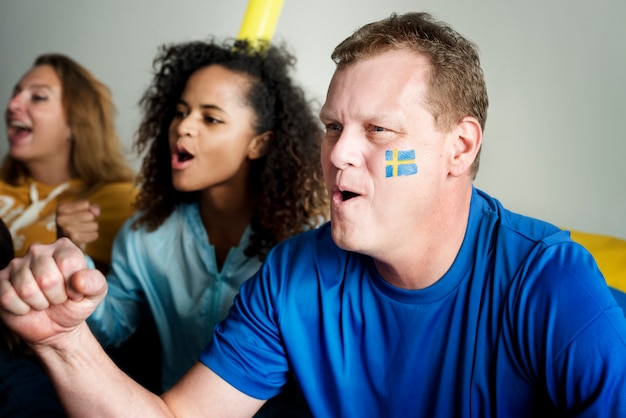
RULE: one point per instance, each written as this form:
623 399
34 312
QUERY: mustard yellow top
610 254
29 212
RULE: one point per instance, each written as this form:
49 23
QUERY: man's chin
345 239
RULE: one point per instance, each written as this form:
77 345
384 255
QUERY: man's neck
423 262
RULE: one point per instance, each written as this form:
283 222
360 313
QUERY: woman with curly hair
63 147
231 169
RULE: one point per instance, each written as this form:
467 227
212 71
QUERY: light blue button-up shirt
173 272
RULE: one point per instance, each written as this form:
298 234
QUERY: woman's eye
375 128
210 119
39 98
179 114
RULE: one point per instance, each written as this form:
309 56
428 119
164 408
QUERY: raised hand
49 292
77 221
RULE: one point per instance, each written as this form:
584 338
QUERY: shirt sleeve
568 334
119 314
246 349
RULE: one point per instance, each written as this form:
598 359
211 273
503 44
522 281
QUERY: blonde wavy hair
97 152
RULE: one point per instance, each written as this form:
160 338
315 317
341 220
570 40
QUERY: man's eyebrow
325 114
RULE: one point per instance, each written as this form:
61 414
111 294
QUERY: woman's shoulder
121 189
9 189
176 221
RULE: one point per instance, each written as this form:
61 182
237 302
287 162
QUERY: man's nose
347 150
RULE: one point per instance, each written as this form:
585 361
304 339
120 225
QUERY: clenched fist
78 222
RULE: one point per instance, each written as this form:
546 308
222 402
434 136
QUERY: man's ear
467 142
260 145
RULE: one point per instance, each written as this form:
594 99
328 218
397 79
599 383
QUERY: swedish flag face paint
400 163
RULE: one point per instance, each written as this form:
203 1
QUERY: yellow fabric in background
609 253
115 201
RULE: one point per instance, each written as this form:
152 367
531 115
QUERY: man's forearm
90 384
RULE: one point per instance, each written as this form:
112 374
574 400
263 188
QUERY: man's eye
333 127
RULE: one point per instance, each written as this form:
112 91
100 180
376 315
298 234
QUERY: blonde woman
63 147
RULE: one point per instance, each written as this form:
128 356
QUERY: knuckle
28 290
35 249
72 264
7 298
10 302
15 263
48 281
63 241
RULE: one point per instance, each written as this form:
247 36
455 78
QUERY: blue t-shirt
173 272
522 324
620 298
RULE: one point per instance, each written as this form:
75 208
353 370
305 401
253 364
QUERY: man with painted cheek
423 296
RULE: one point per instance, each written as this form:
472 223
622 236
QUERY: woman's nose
187 126
16 103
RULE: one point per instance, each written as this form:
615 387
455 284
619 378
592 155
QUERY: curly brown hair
287 182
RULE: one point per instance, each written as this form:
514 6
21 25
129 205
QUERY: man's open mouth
346 195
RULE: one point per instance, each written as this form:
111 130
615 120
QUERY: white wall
556 72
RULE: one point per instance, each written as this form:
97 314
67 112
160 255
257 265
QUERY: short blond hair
457 84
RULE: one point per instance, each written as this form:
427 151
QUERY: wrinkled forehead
400 75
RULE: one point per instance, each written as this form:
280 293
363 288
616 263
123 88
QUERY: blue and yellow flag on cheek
400 163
